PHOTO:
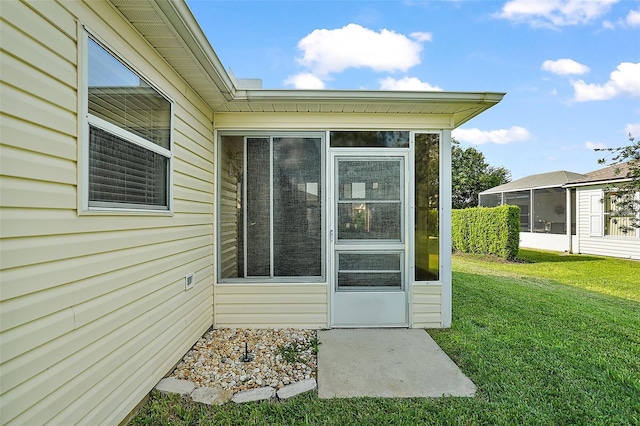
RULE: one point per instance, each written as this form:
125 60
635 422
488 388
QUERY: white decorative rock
211 396
250 395
297 388
171 385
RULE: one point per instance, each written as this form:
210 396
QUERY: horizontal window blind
124 173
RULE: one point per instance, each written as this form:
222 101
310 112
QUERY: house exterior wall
427 306
272 305
93 308
542 241
590 238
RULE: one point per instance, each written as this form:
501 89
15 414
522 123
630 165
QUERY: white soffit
170 27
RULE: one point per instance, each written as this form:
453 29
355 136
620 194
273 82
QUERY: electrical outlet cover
189 281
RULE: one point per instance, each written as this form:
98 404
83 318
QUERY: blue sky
570 68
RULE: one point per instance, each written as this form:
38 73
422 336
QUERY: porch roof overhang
171 28
555 179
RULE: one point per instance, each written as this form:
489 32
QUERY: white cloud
353 46
633 18
633 129
406 83
305 80
554 13
625 80
608 25
500 136
595 145
420 36
565 67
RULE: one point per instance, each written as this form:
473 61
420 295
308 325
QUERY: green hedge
484 230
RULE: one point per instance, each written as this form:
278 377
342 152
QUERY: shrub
484 230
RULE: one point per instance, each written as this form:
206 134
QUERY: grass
551 340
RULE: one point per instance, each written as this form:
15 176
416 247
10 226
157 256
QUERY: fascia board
595 182
294 95
528 188
182 20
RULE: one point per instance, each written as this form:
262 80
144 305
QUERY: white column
567 220
445 227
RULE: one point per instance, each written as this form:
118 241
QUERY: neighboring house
547 210
597 231
147 196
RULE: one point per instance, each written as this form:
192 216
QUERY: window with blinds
619 217
129 149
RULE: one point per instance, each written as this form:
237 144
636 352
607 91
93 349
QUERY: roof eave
180 17
179 20
596 182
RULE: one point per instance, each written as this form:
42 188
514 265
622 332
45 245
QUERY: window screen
549 211
129 136
427 211
369 269
370 199
521 199
271 207
370 139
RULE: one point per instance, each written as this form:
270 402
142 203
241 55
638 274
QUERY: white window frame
86 120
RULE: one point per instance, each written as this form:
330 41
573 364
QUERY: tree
627 203
471 174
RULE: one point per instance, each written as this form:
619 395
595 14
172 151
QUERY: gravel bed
276 358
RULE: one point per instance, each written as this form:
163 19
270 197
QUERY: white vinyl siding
589 228
93 310
427 306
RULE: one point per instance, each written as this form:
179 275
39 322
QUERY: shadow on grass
530 256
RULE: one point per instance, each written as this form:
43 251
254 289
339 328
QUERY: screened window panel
369 270
549 211
369 261
296 206
124 173
427 210
369 221
119 96
490 200
271 207
231 207
369 180
369 200
258 205
521 199
370 139
379 279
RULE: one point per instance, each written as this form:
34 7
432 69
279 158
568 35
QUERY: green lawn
553 339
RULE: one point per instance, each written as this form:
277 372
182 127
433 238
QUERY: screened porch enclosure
542 211
355 211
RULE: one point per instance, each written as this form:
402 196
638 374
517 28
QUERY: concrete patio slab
392 363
